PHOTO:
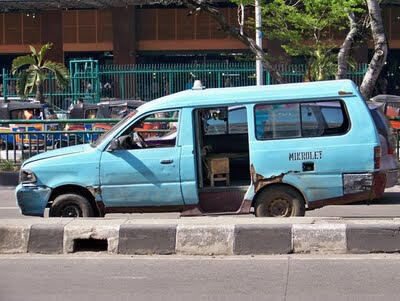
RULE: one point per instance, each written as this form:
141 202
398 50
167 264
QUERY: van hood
58 152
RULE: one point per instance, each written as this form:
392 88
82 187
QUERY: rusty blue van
280 149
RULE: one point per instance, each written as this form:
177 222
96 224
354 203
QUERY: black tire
71 205
279 201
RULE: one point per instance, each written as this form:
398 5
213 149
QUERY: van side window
308 119
90 113
323 119
118 112
225 120
17 114
277 121
26 114
237 120
153 131
215 121
311 120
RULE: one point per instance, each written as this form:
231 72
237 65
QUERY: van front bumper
32 199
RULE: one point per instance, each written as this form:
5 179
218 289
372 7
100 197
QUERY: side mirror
114 145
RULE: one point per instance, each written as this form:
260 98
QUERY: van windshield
114 129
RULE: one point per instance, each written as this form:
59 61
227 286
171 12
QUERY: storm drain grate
90 245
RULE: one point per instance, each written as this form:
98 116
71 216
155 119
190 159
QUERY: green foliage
307 27
33 70
7 165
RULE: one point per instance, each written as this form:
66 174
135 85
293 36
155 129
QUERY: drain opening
90 245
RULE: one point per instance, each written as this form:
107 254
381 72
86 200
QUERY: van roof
248 94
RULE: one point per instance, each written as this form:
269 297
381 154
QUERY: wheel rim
71 210
280 207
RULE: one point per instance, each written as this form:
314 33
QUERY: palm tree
33 70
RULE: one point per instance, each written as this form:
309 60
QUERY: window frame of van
299 102
228 123
237 108
136 117
177 130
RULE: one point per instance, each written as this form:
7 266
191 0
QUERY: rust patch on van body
260 181
245 207
94 190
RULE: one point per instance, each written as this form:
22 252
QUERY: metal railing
21 139
25 138
148 82
93 82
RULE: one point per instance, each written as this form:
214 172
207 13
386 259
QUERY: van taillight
377 157
390 151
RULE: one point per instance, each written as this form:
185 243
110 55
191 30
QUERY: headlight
26 176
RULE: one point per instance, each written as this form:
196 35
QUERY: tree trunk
235 32
344 53
380 49
39 93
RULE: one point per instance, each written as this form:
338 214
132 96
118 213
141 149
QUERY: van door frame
198 142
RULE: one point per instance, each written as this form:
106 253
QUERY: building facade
128 33
140 34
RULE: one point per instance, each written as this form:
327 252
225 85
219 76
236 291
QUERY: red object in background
395 124
392 111
102 126
76 127
150 126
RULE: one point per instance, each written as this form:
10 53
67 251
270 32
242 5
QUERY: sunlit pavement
92 276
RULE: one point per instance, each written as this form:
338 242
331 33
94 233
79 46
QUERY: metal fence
21 139
147 82
93 82
84 84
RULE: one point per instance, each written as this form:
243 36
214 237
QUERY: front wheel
71 205
281 201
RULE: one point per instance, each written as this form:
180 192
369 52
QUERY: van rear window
306 119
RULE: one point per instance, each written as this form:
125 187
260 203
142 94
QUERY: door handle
308 166
167 161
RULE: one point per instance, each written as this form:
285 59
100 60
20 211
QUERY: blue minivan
280 149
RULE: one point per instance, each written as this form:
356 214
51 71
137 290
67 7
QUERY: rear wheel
71 205
280 201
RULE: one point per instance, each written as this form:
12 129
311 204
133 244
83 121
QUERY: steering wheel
139 140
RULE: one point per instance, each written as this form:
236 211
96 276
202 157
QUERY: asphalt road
104 277
388 206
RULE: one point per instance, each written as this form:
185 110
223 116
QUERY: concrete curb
14 238
204 239
319 238
203 236
373 238
263 239
147 239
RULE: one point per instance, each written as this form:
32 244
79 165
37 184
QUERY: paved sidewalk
90 276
